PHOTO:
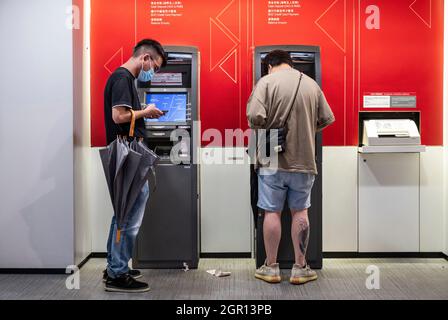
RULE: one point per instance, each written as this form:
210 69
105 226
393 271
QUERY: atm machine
307 60
169 236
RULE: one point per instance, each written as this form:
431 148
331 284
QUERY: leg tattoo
304 235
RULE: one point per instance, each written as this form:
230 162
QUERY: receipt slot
169 235
307 60
389 132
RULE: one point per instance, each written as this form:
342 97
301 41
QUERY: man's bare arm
123 115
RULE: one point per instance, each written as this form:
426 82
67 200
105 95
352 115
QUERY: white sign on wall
376 101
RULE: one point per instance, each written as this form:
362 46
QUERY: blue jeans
119 254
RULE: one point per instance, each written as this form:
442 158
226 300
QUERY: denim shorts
275 188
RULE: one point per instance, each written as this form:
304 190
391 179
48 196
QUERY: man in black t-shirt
120 95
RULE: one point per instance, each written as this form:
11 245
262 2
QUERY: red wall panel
404 55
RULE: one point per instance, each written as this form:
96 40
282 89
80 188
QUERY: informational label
390 100
403 102
167 79
163 12
280 11
376 101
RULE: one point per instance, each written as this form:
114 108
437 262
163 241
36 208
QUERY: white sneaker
301 275
269 274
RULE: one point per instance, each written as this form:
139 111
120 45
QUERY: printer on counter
387 132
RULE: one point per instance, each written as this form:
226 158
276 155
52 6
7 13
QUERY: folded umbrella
124 167
123 182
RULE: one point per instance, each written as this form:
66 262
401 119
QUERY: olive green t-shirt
268 108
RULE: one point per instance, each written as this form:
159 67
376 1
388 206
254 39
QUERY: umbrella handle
118 236
132 127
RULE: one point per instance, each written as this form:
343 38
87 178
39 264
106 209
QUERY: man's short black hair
276 58
148 44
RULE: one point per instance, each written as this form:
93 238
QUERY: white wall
45 218
93 208
431 200
81 139
340 199
36 135
100 205
226 215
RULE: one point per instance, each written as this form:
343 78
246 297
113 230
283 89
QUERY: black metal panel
259 51
286 252
167 236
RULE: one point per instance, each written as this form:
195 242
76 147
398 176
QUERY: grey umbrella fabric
126 166
123 181
108 159
148 159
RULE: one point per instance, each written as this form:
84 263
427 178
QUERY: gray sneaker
301 275
269 274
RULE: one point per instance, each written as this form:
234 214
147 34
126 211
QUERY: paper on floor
219 273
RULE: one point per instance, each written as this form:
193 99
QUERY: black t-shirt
121 91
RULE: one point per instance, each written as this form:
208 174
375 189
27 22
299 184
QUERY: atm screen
174 103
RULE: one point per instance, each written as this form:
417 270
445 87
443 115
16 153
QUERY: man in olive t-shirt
274 103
